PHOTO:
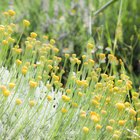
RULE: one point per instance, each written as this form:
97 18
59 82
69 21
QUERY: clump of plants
94 102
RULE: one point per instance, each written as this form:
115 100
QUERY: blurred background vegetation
73 23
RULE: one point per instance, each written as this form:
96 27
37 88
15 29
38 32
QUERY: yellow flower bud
5 42
33 84
33 35
122 122
98 127
18 101
49 98
90 46
74 104
109 128
85 129
68 91
11 12
67 55
26 23
52 41
6 93
11 85
132 112
120 106
63 110
65 98
18 62
24 70
32 103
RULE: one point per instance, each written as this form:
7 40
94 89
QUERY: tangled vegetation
95 101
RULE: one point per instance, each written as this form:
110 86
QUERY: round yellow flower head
52 41
6 93
65 98
67 55
74 104
109 128
132 112
33 84
68 91
12 85
85 129
26 23
39 77
5 42
102 56
115 136
33 35
18 101
120 106
122 122
98 127
18 62
83 114
84 57
90 46
11 12
24 70
111 121
63 110
45 37
32 103
49 98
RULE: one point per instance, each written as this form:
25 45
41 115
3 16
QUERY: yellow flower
68 91
67 55
32 103
33 84
4 42
122 122
55 78
74 104
11 12
52 41
50 67
83 114
132 112
111 121
84 57
109 128
26 23
103 111
49 98
3 88
115 136
6 93
11 85
80 94
45 37
65 98
18 62
63 110
49 86
120 106
98 127
90 46
85 129
102 56
18 101
33 35
24 70
95 117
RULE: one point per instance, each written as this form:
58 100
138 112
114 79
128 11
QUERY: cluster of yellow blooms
92 104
